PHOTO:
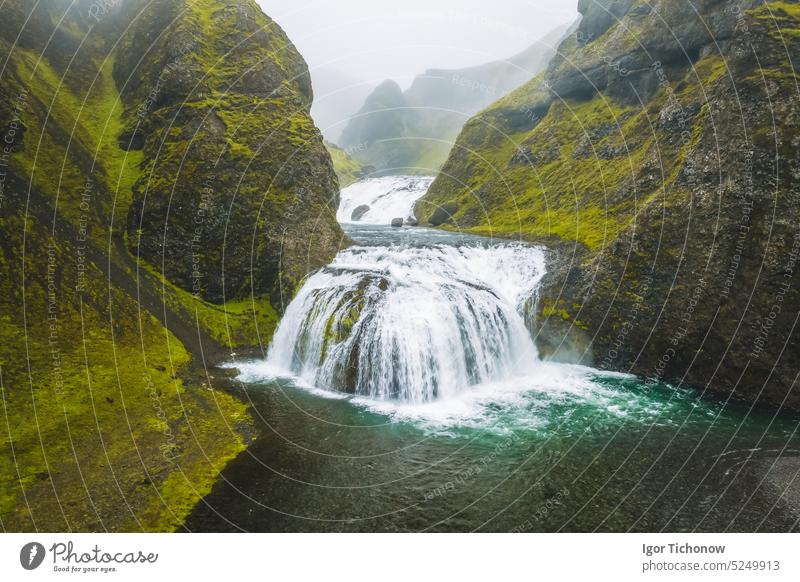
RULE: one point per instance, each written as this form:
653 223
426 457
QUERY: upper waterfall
379 200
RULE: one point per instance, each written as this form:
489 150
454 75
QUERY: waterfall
379 200
412 323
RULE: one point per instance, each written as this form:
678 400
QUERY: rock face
658 157
442 214
138 163
411 132
238 193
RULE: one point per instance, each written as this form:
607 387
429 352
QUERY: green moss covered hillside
657 157
162 192
347 168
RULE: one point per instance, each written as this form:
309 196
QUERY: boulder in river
442 214
397 222
359 212
411 221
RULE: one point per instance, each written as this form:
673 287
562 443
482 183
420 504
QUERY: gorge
586 321
403 392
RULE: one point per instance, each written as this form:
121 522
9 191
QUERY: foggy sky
372 40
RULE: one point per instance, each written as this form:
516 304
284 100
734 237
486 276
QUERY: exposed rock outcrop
359 212
237 195
658 157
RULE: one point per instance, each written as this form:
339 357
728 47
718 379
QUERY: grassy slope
97 418
549 190
347 168
101 424
532 183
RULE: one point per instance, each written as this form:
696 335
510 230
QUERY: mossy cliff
218 100
658 157
162 191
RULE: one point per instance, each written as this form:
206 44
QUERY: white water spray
413 324
379 200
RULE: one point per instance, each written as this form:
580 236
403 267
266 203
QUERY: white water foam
525 402
412 324
487 405
384 198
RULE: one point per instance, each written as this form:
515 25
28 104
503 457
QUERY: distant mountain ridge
337 96
412 131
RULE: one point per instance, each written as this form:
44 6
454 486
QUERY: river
403 392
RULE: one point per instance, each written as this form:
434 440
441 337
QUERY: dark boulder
442 214
359 212
397 222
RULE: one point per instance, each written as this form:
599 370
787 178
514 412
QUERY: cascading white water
379 200
412 323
